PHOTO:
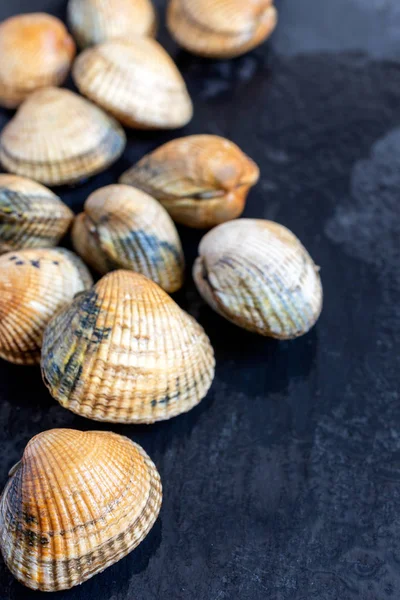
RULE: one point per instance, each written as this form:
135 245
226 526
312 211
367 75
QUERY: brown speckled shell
258 275
125 352
96 21
75 504
36 51
57 137
221 29
202 180
136 81
124 228
34 284
31 216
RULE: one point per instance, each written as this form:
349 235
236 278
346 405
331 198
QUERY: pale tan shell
36 51
125 352
257 274
57 137
202 180
34 284
124 228
75 504
96 21
221 29
31 216
136 81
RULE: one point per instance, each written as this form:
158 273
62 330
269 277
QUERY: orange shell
36 51
75 504
34 284
221 29
202 180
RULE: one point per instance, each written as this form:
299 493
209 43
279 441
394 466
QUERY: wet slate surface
284 484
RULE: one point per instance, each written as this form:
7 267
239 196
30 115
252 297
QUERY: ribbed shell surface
57 137
75 504
31 216
221 29
136 81
96 21
125 352
36 51
34 284
258 275
202 180
124 228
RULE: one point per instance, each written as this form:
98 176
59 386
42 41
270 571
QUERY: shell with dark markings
202 180
96 21
124 228
124 352
136 81
258 275
31 216
36 51
57 137
34 284
221 29
75 504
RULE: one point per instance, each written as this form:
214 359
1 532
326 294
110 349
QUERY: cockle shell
125 352
136 81
202 180
34 284
31 216
57 137
124 228
96 21
258 275
221 29
36 51
75 504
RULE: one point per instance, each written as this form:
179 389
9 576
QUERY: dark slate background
284 484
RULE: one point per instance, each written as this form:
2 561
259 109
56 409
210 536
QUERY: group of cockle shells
122 350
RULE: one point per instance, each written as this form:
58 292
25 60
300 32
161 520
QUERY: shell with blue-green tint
257 274
125 352
124 228
31 216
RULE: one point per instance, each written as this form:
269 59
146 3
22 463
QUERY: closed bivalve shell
221 29
75 504
58 137
125 352
124 228
136 81
34 285
96 21
31 216
258 275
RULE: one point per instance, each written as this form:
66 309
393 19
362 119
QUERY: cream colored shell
57 137
36 51
202 180
31 216
221 29
125 352
75 504
136 81
96 21
124 228
34 284
259 276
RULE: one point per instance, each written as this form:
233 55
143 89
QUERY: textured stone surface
284 484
